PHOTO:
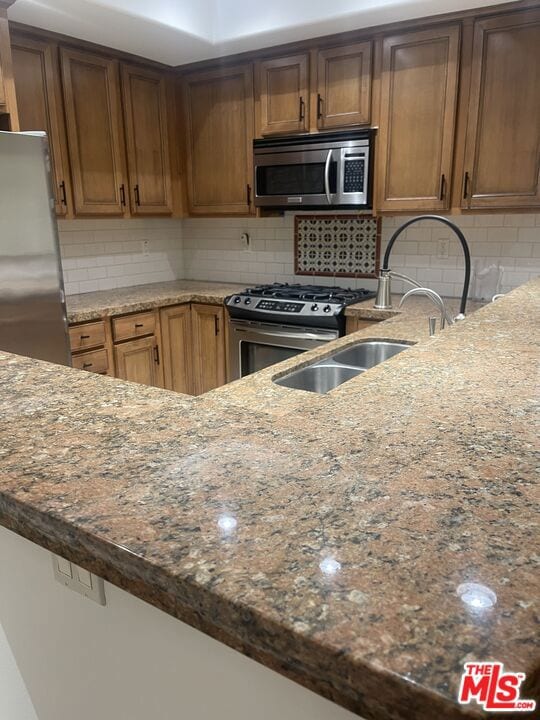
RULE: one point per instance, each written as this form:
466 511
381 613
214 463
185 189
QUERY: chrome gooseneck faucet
383 301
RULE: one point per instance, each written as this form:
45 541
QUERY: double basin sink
324 375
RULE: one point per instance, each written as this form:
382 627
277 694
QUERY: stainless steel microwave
314 171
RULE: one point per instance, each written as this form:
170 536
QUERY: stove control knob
237 299
314 307
247 301
326 308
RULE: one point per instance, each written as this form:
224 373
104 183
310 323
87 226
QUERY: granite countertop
105 303
352 518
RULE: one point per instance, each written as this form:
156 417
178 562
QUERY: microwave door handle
327 176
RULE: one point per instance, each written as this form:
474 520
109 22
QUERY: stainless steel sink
319 378
327 374
368 354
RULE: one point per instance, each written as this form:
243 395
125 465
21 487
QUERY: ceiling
183 31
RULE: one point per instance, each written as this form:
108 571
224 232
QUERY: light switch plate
78 579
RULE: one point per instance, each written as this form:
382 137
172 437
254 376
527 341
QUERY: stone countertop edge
354 682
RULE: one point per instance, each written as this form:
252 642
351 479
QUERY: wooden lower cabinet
91 347
208 338
177 348
139 361
182 347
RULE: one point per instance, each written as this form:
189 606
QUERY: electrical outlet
78 579
442 248
245 241
145 247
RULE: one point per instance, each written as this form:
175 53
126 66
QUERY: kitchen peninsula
325 537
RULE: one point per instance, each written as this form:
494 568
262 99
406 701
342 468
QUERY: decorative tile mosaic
343 245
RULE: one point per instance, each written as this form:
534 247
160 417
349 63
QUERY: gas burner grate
312 293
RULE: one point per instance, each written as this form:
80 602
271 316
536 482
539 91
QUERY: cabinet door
138 361
39 101
208 332
177 348
344 86
95 138
284 94
219 118
418 108
503 135
145 115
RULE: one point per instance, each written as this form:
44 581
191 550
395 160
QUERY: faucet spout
435 298
385 272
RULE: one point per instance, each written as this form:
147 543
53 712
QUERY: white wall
105 254
15 702
128 660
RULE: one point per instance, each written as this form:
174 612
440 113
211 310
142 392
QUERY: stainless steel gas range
270 323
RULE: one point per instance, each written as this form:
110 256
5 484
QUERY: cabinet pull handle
87 365
466 186
139 325
216 324
302 108
319 106
85 337
248 192
122 195
442 188
137 196
156 354
64 196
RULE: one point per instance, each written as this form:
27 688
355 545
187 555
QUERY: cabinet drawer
96 361
132 326
89 335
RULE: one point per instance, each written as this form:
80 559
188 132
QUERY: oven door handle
284 334
327 176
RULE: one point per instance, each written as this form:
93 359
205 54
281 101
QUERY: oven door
254 346
297 177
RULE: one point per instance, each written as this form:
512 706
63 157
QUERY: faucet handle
432 325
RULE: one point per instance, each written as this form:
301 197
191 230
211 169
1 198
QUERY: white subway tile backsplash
415 253
108 253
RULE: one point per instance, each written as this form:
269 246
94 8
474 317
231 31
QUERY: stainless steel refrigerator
33 318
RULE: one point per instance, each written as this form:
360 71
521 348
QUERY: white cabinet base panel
128 660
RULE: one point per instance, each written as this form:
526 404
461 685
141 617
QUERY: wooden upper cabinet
208 333
218 108
502 159
95 137
284 94
417 122
39 102
145 115
344 86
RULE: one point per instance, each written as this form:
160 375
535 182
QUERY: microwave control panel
353 174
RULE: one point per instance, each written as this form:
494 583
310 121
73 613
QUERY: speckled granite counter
105 303
356 515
